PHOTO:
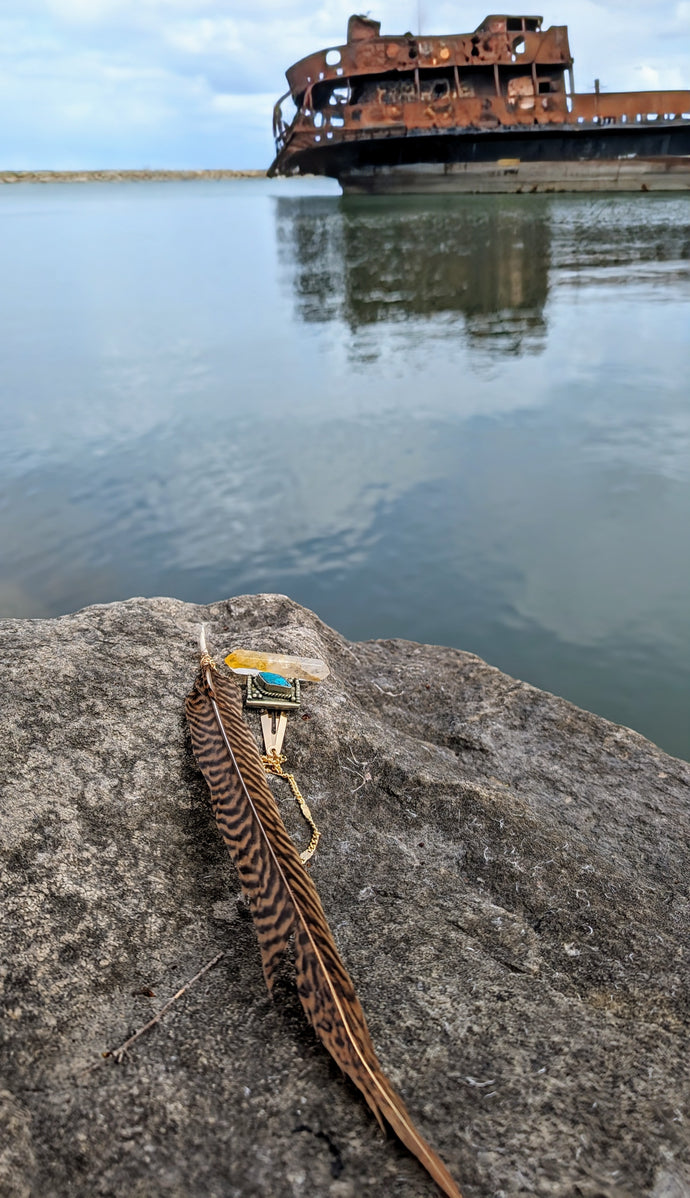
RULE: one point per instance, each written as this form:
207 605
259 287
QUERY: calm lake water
459 420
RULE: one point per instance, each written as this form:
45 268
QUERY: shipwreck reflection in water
364 261
490 262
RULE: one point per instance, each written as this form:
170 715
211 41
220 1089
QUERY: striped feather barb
284 901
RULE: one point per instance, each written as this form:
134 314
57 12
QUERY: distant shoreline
121 176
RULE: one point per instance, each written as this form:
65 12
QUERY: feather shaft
284 901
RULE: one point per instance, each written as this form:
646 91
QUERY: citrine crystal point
309 669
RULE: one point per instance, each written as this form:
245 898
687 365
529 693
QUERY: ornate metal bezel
258 698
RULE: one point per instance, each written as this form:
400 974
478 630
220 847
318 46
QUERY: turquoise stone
275 679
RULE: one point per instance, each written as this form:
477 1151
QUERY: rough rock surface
505 876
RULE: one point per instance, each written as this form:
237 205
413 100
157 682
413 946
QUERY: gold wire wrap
273 763
207 663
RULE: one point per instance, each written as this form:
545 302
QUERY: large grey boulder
506 877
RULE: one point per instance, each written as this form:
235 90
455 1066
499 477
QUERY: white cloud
170 78
244 106
660 78
206 36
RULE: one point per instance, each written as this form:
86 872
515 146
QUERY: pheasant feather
284 901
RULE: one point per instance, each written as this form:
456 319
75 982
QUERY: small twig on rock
118 1053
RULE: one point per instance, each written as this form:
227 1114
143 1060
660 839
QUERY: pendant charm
274 695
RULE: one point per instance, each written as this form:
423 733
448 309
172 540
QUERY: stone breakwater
505 874
121 176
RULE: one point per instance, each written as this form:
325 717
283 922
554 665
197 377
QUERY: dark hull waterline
598 159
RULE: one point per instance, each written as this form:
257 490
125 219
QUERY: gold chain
273 763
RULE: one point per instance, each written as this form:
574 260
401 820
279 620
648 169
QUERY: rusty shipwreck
493 110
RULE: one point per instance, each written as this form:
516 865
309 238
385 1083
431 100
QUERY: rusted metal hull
495 110
596 159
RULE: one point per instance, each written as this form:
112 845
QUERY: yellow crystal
310 669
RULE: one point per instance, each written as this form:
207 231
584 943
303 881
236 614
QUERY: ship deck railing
334 123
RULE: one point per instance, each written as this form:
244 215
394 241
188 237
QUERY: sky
88 84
